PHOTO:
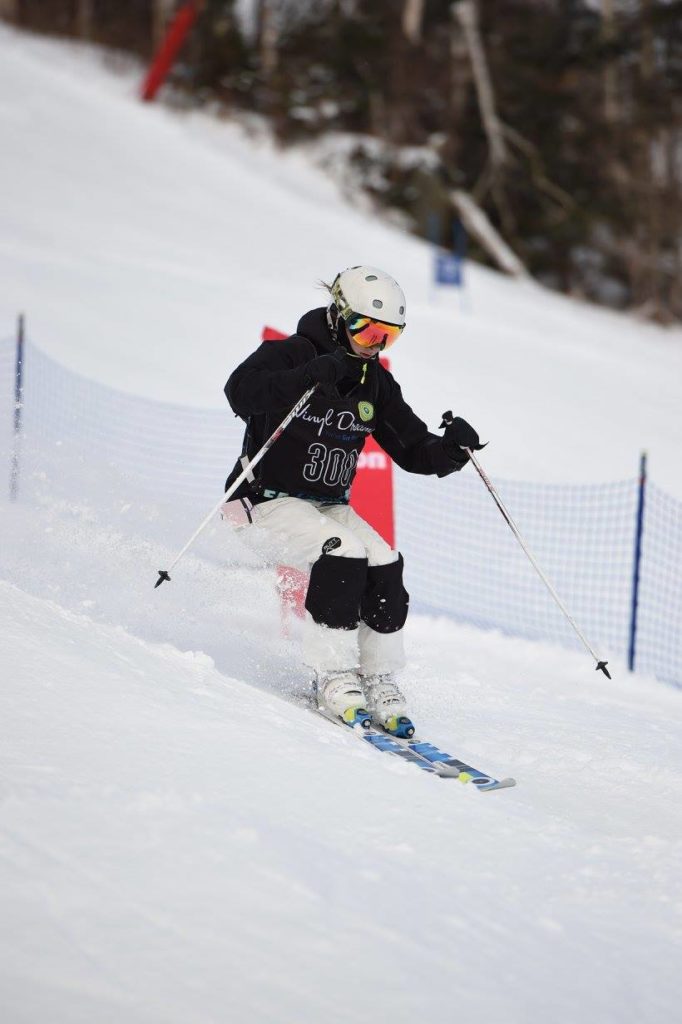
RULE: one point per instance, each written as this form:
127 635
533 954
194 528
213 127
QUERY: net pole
639 532
18 410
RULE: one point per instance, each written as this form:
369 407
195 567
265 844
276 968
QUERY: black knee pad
385 601
335 590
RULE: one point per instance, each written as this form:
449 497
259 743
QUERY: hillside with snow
180 838
148 248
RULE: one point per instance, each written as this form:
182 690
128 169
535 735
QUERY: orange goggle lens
367 332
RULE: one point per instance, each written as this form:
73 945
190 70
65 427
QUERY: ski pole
601 665
164 574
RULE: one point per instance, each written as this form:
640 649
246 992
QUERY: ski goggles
367 332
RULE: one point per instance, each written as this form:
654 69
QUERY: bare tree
161 14
9 10
608 32
478 225
413 20
466 12
492 178
647 49
84 19
269 36
460 77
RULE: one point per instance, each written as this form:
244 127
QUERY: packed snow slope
148 247
177 846
180 839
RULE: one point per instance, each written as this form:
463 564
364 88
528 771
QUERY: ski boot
386 705
340 693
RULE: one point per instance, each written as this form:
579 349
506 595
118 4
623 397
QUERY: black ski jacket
316 456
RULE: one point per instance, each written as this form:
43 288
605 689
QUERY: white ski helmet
371 292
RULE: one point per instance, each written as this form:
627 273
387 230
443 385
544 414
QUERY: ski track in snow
176 841
179 839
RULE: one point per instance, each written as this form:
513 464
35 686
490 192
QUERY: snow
181 840
148 247
178 845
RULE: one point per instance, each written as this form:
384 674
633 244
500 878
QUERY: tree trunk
413 20
269 37
466 13
477 224
608 32
646 150
646 56
161 14
9 10
84 19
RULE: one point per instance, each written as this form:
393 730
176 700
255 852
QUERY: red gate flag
178 30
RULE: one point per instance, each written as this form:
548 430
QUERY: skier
356 603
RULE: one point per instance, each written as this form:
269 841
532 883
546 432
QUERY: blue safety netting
172 451
464 561
461 559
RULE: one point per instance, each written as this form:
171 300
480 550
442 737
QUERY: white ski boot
386 705
340 693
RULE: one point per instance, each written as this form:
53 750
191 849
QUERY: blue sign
448 268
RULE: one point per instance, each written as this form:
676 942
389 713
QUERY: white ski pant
299 529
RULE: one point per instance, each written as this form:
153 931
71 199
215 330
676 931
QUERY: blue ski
448 766
424 755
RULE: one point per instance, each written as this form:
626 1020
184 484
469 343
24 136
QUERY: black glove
328 370
458 435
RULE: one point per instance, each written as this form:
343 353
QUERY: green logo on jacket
366 410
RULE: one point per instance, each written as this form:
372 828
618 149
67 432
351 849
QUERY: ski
448 766
383 742
424 755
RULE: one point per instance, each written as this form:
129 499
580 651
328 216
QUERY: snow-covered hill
147 249
179 839
179 846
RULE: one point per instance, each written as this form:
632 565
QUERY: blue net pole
18 409
639 529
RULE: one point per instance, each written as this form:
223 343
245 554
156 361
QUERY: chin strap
333 321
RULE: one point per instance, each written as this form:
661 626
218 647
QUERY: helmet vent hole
402 310
377 303
371 277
